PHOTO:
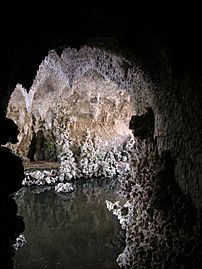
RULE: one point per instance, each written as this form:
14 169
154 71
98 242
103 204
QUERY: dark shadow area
140 34
12 175
32 148
172 216
42 147
143 126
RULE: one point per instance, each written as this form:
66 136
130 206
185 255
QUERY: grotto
110 105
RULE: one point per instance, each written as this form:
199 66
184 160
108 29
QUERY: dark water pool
69 230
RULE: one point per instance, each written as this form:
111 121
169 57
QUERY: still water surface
69 230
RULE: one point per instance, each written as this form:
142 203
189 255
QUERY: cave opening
154 55
73 111
94 107
74 133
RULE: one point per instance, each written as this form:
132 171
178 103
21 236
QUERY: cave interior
115 73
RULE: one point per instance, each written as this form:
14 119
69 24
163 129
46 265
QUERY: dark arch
165 50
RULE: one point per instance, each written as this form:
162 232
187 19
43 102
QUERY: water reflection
71 230
11 225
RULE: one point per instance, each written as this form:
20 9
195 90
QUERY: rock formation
71 96
159 219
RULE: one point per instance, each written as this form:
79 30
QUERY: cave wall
155 76
178 129
72 93
175 101
176 219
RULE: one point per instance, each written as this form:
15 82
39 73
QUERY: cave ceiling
28 34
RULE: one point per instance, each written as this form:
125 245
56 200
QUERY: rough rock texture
160 220
74 92
162 64
176 105
179 129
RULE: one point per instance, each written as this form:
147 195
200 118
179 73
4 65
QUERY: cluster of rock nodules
160 221
90 89
93 162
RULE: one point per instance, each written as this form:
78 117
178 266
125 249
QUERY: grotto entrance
52 120
83 103
75 143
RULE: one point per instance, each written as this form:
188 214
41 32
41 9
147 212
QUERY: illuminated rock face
90 95
93 106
